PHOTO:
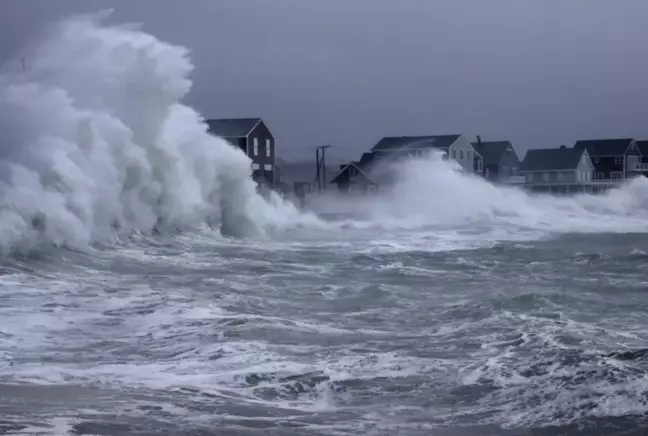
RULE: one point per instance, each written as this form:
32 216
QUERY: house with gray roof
455 147
558 170
614 159
375 167
501 163
254 138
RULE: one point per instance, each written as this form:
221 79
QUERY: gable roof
492 151
389 143
552 159
364 166
370 166
604 147
643 147
232 127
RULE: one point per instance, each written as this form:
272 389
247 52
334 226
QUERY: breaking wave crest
95 143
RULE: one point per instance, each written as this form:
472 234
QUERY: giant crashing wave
95 143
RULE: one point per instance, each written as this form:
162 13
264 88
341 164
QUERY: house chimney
479 139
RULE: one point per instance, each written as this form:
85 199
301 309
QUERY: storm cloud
539 73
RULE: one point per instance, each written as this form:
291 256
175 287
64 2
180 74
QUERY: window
352 172
553 176
618 160
255 166
545 177
505 172
255 141
371 188
460 154
599 176
454 154
616 175
596 160
268 148
267 167
559 176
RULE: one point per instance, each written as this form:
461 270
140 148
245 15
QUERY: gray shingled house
614 159
501 163
558 170
456 147
643 149
253 137
373 168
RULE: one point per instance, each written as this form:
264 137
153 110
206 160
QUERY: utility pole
320 161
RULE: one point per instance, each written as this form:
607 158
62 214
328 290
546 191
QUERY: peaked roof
415 142
369 166
643 147
232 127
552 159
492 151
604 147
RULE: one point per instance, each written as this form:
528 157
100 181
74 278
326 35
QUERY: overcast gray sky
347 72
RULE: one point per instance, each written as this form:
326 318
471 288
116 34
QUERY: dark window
618 160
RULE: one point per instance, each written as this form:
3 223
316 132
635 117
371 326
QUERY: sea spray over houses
432 191
95 142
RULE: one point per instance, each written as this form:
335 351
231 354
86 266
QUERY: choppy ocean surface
147 289
197 334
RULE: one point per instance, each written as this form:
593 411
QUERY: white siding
462 151
585 167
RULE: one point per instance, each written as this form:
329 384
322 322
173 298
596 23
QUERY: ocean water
146 289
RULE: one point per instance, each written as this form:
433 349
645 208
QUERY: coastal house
456 147
614 159
500 161
255 139
359 176
558 170
643 149
372 170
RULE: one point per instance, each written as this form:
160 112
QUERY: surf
96 144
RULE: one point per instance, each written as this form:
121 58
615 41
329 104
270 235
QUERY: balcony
513 180
637 166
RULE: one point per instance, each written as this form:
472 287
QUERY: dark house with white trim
501 163
643 149
558 170
253 137
614 160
